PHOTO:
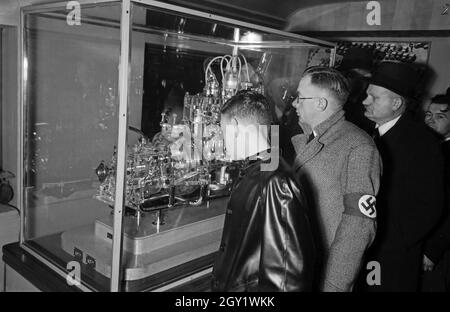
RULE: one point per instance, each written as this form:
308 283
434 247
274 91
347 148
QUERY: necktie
376 135
310 138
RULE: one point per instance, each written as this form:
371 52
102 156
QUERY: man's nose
366 101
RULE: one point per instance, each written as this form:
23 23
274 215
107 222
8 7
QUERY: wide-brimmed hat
442 98
401 78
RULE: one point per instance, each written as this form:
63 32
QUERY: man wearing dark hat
356 66
410 200
436 257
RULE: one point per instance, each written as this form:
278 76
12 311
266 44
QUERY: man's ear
397 103
322 104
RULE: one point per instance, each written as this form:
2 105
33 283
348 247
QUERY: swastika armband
360 205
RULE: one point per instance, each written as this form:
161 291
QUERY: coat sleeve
439 241
425 192
357 227
287 249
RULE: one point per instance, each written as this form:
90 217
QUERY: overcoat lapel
306 152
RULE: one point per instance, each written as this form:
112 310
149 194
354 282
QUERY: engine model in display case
151 173
187 157
182 165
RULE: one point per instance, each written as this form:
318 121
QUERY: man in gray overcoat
340 167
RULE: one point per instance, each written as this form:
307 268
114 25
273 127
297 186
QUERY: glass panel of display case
70 70
183 68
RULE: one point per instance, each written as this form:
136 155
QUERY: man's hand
427 264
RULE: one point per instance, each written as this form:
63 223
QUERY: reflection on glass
71 120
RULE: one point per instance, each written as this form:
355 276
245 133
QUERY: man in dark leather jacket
267 243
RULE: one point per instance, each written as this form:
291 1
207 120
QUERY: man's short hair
330 79
248 105
444 110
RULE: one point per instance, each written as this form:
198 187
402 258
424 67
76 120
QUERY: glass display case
123 173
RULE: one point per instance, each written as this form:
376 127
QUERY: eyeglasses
299 98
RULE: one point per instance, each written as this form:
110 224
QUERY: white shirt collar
447 139
387 126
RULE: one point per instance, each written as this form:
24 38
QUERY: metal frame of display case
124 81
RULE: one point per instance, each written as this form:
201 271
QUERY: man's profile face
437 117
379 104
307 108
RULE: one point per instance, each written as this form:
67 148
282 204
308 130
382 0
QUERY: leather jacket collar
254 161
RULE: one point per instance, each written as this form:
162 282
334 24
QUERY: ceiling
273 13
277 8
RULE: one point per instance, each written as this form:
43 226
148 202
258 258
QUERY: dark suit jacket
410 201
439 241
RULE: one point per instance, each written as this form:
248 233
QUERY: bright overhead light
251 37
